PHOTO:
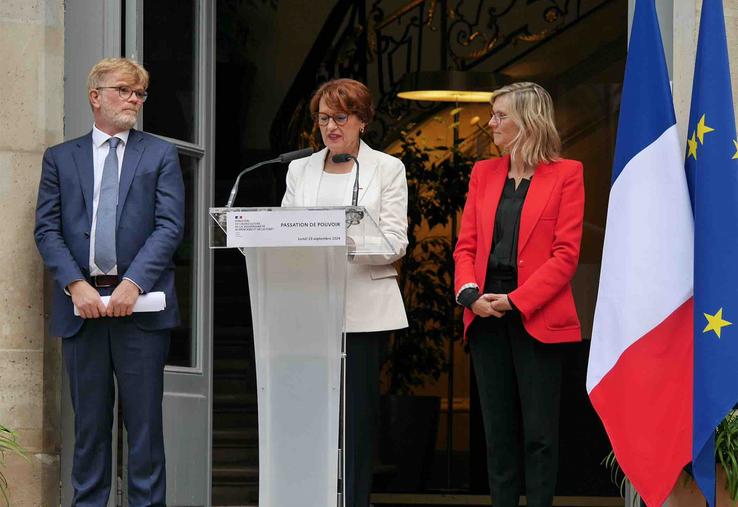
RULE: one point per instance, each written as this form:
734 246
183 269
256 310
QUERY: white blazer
373 299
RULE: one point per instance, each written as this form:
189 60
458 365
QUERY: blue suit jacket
150 223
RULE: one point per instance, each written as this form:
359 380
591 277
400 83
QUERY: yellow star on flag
735 143
716 323
702 129
692 142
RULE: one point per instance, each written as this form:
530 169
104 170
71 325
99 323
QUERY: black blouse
504 255
503 258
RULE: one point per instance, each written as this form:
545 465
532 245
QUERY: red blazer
548 244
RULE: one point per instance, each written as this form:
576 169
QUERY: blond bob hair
126 66
531 108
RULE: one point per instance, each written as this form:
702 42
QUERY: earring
362 129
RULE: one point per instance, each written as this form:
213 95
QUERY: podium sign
297 287
286 227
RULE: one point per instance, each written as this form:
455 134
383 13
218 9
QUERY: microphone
342 158
284 158
345 157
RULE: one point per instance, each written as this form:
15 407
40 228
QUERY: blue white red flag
639 377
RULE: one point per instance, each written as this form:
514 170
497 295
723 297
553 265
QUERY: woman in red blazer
517 252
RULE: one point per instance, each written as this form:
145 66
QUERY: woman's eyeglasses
338 119
497 117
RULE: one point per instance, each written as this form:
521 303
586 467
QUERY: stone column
31 118
686 31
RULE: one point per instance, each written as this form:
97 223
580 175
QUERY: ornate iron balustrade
476 33
340 50
379 43
461 35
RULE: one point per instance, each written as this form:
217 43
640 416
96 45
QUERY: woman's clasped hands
491 305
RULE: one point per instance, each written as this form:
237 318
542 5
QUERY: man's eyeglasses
497 117
338 119
125 92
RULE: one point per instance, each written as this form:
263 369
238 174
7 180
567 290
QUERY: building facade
47 47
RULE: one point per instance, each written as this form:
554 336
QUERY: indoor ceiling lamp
450 86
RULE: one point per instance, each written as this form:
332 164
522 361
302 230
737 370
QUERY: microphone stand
283 158
353 214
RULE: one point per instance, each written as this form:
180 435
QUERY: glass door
173 39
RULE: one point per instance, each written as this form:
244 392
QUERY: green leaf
8 443
436 193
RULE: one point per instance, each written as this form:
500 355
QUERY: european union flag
712 173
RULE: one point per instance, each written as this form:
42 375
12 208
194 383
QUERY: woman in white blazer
342 108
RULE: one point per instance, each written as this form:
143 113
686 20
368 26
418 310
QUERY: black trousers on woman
363 359
519 381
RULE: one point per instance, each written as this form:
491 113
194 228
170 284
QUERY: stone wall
31 118
686 30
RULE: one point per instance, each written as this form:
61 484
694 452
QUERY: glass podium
297 297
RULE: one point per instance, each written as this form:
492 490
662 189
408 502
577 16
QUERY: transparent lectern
297 306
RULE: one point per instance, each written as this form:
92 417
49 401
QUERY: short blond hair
531 108
126 66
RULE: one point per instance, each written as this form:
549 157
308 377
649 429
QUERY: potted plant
437 184
686 493
417 354
726 452
8 443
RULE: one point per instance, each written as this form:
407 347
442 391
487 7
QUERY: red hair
345 95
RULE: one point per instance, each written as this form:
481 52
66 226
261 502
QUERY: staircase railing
340 50
367 43
363 41
456 35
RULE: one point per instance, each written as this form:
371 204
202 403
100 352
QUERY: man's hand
122 299
87 300
484 307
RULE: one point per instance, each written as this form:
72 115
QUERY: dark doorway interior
263 51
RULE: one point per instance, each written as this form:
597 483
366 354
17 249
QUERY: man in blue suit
109 217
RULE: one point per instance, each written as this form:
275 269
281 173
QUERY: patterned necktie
106 208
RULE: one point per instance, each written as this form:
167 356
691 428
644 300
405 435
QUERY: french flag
639 377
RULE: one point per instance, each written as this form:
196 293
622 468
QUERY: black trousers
519 381
363 359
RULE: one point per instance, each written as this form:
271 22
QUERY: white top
373 299
332 188
100 149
